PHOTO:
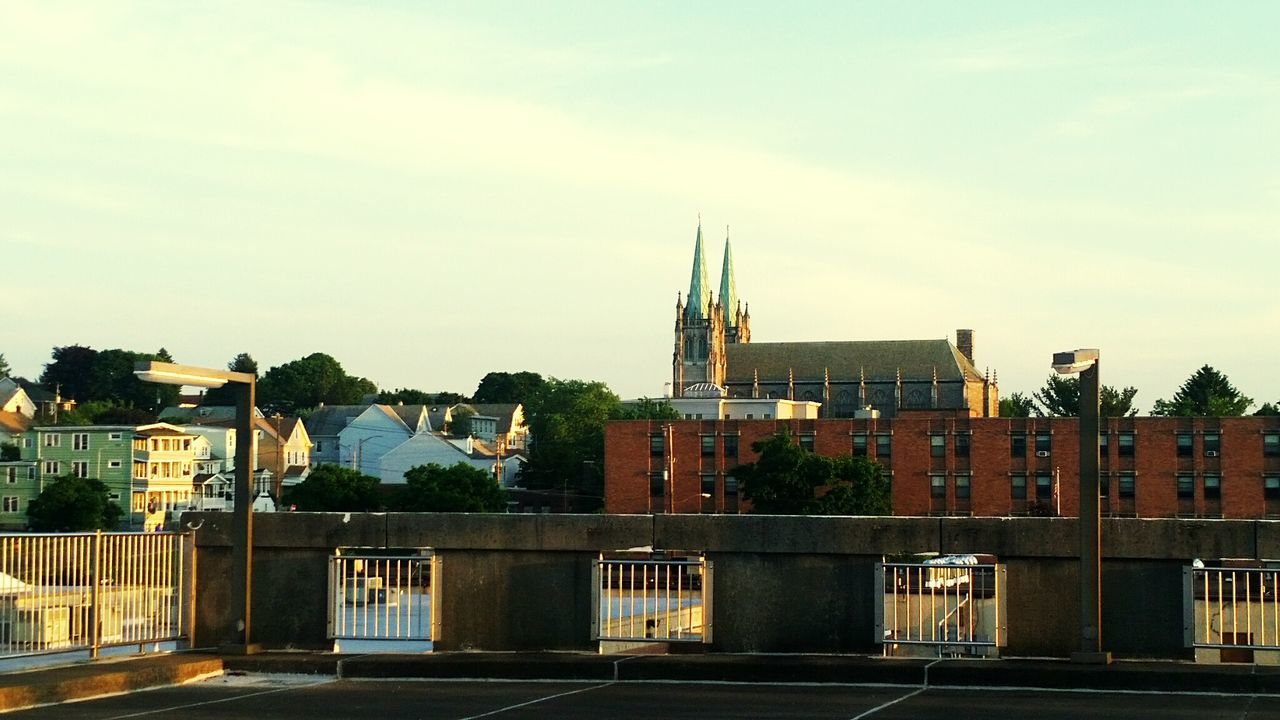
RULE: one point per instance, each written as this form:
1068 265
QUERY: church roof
699 291
728 288
879 359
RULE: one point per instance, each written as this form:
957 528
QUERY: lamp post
242 515
1085 362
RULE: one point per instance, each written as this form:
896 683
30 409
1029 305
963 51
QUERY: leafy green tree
1060 397
89 375
334 488
71 371
788 480
460 422
72 504
303 384
648 409
1017 405
1269 409
457 488
406 396
505 387
566 421
226 395
4 367
106 412
1206 393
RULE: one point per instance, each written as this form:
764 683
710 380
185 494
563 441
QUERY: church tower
703 325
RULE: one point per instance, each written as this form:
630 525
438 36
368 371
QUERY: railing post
95 597
189 538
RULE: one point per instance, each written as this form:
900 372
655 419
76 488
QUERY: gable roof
13 422
879 359
412 416
330 420
504 412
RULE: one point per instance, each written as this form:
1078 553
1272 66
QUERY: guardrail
654 600
955 607
383 596
1232 607
69 592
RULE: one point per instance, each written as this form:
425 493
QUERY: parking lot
322 698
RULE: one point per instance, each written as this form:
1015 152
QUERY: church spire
699 292
728 288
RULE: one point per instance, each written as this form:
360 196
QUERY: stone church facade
713 345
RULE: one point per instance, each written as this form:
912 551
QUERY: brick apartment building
959 465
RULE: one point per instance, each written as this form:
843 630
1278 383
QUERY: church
713 347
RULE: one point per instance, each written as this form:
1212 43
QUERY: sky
432 191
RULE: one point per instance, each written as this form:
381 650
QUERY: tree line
1207 392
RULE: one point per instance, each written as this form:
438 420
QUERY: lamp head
1074 361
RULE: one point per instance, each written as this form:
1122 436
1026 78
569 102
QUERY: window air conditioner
1211 453
1042 453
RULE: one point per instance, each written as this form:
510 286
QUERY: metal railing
655 600
1231 607
957 607
70 592
379 595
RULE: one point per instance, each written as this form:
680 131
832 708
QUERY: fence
69 592
653 600
955 606
382 596
1232 608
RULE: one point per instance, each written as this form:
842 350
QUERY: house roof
437 417
14 422
504 412
879 359
329 420
410 415
295 471
150 431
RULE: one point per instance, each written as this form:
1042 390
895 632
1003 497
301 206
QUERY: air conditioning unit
1211 453
1042 453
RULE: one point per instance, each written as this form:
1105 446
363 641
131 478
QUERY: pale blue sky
429 191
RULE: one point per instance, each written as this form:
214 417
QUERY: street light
1085 362
242 515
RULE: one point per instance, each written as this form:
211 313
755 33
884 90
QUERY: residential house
428 448
511 432
163 472
357 436
14 399
103 452
284 448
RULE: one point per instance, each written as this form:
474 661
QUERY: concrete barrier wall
782 584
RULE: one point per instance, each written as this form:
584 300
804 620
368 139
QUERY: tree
72 504
226 395
334 488
88 375
106 412
1270 409
4 367
460 422
71 371
1206 393
789 480
505 387
305 383
1017 405
1060 397
458 488
648 409
566 421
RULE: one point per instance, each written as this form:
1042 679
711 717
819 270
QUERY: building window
859 445
708 485
657 445
708 445
1212 486
1125 444
731 446
937 445
1271 487
1212 444
80 469
319 446
1018 487
962 487
807 441
1271 445
938 487
962 444
1018 445
1184 445
11 475
1044 443
26 442
657 484
730 485
113 436
11 503
52 467
1186 486
1044 487
113 464
1127 485
884 446
1104 443
1104 485
52 440
80 441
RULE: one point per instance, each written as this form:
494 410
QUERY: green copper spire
699 293
728 288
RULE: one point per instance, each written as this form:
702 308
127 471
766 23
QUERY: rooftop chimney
964 343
